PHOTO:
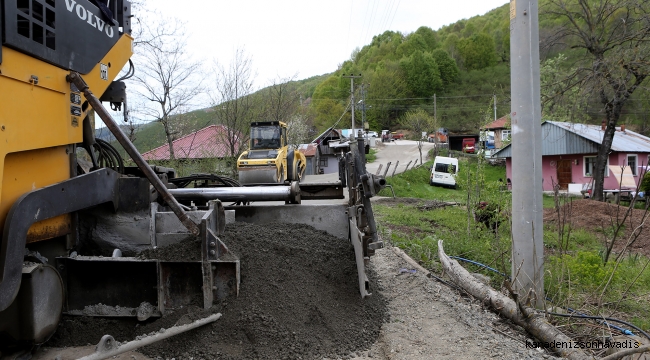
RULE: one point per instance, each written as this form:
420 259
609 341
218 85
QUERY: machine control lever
78 81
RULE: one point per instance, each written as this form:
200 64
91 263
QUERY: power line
395 13
347 41
386 16
372 18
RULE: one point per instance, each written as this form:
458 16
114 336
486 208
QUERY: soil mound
298 298
602 217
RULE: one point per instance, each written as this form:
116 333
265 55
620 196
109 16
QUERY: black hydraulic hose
129 73
116 158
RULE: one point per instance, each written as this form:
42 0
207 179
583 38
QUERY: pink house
569 153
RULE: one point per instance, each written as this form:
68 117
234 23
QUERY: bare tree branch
166 76
614 36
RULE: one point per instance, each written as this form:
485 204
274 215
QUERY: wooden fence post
407 165
387 167
395 169
379 169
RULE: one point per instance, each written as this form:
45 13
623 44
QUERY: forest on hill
457 74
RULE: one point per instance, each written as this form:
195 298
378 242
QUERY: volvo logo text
92 19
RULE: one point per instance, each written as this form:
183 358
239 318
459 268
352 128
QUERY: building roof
564 138
209 142
330 133
309 150
499 123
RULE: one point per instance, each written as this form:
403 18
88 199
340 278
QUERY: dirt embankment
602 217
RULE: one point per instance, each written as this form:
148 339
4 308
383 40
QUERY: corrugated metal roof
563 138
208 142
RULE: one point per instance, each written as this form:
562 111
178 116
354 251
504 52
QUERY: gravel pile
298 298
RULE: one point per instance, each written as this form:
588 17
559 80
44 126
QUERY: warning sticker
513 9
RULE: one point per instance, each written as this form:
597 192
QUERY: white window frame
505 135
634 169
584 162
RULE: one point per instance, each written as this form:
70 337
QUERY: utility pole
435 131
352 104
435 110
363 107
495 106
527 227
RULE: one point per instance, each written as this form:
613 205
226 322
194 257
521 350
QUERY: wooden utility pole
352 104
527 227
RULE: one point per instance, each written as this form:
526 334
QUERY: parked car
469 145
444 171
372 134
398 136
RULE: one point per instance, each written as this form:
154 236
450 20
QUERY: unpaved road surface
426 320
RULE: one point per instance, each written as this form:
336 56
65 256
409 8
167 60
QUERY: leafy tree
387 87
447 66
298 130
421 74
451 46
413 42
329 101
429 36
612 37
477 52
419 121
560 101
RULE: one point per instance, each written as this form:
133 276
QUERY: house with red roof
208 143
501 129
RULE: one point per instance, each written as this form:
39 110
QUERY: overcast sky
305 38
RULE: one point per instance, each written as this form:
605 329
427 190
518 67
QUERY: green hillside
464 66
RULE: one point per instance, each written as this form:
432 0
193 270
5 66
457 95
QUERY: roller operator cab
43 118
444 171
269 159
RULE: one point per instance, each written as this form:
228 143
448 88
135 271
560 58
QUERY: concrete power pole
363 106
527 227
352 104
495 107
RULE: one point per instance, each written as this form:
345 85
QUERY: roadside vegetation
578 274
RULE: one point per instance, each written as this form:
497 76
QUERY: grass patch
575 274
414 183
418 232
371 156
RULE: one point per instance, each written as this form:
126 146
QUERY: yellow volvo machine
269 159
75 237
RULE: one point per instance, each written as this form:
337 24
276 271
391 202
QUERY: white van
444 171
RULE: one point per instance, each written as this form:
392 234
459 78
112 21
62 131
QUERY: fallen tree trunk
527 318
